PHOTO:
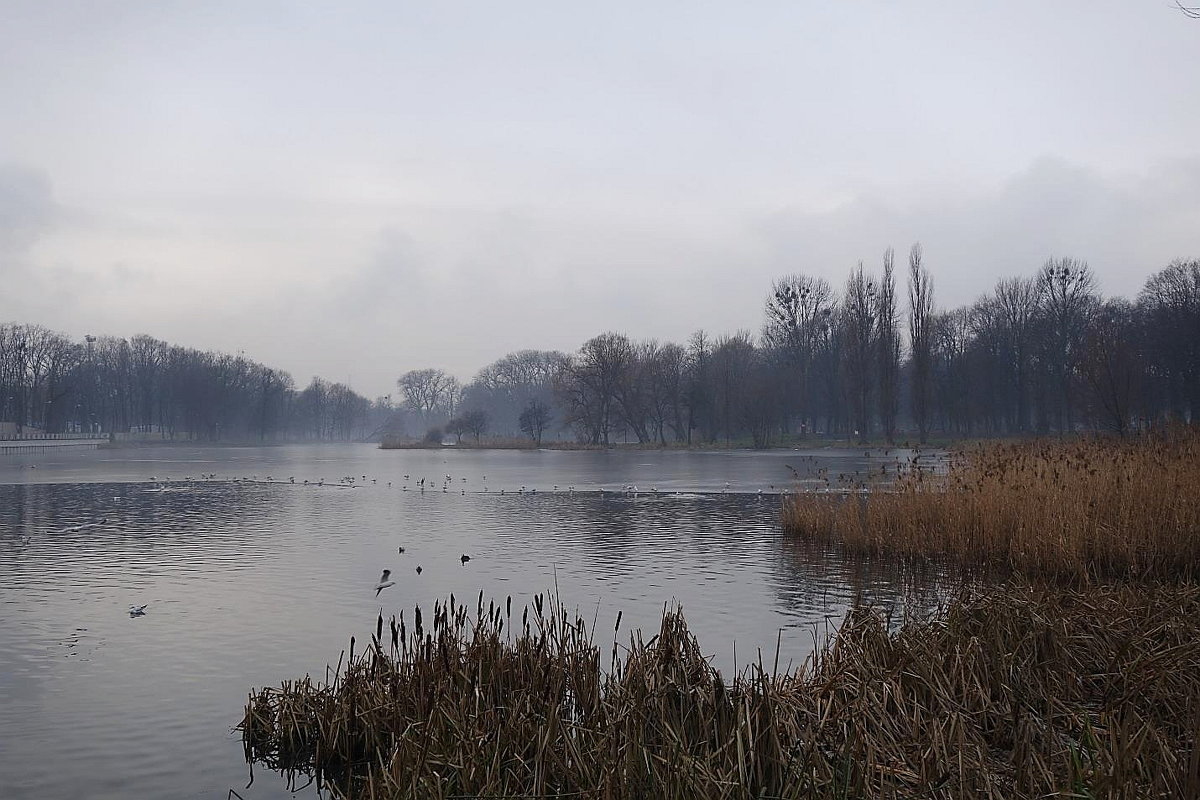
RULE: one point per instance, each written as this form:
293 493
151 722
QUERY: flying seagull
383 582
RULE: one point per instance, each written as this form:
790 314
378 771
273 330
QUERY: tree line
1036 354
50 383
872 359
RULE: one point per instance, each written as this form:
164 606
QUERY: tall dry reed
1014 692
1088 508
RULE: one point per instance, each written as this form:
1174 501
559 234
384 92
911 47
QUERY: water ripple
247 582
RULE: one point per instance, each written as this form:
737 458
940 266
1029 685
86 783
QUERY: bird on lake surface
85 525
465 558
138 611
418 569
383 582
400 549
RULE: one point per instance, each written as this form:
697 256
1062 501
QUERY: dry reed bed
1092 509
1013 692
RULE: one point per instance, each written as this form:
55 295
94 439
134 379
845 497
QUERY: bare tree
698 396
632 389
1109 363
590 384
859 318
730 372
664 369
534 420
456 426
504 387
1017 305
888 349
952 343
920 337
476 422
1066 300
797 312
1171 302
429 392
763 396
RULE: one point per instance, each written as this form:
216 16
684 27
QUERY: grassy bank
1008 693
1079 509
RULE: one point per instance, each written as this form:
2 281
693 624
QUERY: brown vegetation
1085 685
1072 509
1008 693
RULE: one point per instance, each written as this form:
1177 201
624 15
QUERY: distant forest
149 389
1037 354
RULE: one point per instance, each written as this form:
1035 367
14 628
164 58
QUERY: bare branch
1192 12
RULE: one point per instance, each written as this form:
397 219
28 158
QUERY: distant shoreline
812 444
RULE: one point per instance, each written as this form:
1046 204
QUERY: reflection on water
248 583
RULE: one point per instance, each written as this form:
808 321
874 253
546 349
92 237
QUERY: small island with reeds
1064 661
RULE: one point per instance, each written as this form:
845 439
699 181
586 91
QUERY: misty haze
785 400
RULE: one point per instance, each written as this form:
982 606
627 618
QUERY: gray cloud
1126 226
27 208
390 284
357 192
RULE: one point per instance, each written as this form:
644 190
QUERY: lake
249 582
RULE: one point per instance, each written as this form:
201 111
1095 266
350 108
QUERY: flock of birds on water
448 483
420 485
448 486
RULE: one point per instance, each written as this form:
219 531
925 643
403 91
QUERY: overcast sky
359 189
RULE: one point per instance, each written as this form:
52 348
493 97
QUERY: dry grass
1025 690
1011 693
1093 509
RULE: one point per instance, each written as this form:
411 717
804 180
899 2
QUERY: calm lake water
250 583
